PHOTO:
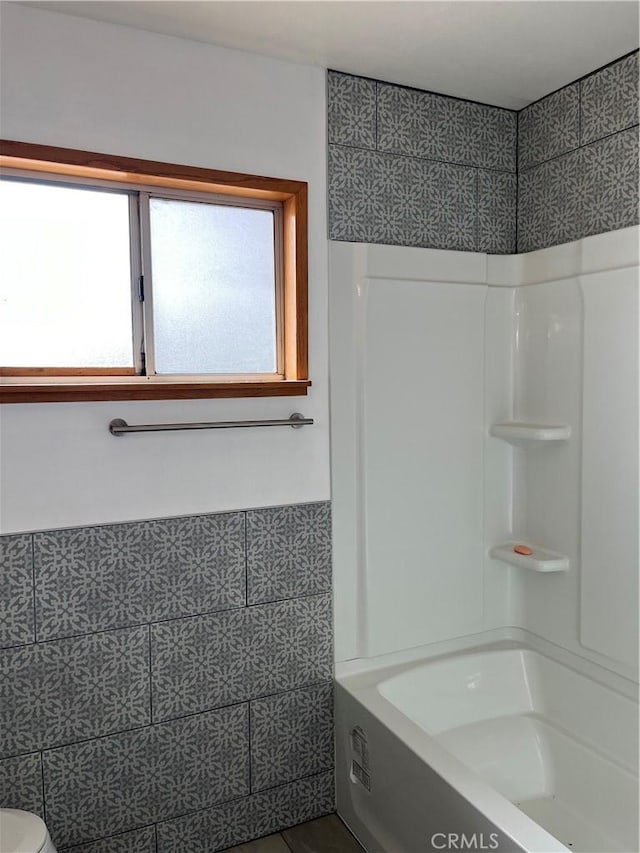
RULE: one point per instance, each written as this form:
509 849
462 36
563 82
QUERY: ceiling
504 53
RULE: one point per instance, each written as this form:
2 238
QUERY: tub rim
361 679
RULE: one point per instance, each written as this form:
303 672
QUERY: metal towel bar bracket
118 427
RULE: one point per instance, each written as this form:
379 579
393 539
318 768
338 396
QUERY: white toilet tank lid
21 832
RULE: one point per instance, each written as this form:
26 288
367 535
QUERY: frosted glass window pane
65 280
214 297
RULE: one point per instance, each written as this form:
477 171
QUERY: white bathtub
498 747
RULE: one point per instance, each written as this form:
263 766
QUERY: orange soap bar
523 549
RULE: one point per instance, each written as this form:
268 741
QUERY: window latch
141 288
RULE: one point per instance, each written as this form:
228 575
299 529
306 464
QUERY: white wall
80 84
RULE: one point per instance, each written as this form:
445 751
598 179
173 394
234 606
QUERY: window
127 279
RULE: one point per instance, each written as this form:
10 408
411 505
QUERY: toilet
23 832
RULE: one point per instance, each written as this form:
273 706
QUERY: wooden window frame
40 385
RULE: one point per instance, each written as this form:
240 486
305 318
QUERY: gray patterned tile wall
125 710
68 690
210 661
21 783
136 841
126 574
269 811
410 168
413 168
578 159
291 732
16 602
289 552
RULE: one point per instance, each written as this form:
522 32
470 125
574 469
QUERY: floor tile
324 835
270 844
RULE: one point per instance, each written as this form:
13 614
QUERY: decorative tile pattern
291 644
94 578
356 203
208 661
209 830
21 783
16 601
138 841
291 735
82 692
549 203
261 814
380 198
610 99
279 808
288 552
549 127
497 211
610 183
67 690
201 663
422 124
352 110
412 186
120 782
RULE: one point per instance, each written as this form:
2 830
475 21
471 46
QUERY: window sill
62 389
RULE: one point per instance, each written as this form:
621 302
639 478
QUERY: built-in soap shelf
520 433
540 559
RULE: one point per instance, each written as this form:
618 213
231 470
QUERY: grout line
44 800
477 228
249 743
70 849
246 560
33 590
482 103
515 248
580 114
425 91
420 159
247 796
578 148
377 132
150 678
580 79
168 720
191 515
235 609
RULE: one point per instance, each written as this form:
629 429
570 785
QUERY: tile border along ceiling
507 53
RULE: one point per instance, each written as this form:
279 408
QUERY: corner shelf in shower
540 560
524 434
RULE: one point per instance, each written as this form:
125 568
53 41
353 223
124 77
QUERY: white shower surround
429 349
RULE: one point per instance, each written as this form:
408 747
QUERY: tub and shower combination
498 747
487 700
